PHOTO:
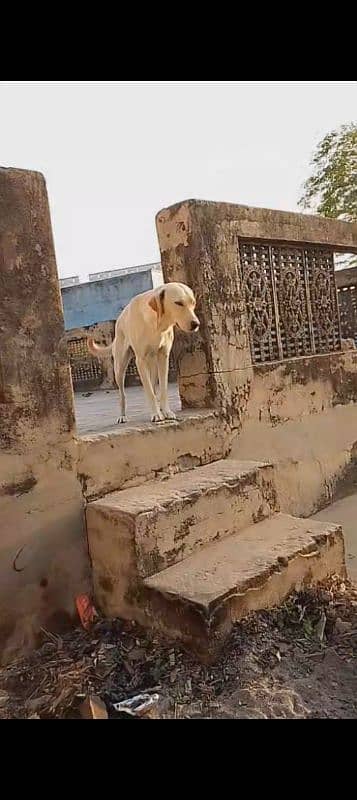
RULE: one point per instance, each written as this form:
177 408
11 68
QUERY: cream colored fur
146 328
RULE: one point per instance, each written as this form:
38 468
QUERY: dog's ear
157 303
162 301
154 303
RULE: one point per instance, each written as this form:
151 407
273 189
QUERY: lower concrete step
140 531
199 599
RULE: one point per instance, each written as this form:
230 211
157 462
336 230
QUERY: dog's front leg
144 371
163 365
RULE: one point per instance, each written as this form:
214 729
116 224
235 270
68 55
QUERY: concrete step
199 599
129 455
137 532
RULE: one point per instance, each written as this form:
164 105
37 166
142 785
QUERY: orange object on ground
86 611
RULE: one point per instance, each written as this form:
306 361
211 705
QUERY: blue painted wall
101 301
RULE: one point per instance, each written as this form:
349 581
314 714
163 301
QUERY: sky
115 152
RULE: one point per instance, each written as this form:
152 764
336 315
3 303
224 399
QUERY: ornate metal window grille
347 297
85 369
132 371
88 371
291 300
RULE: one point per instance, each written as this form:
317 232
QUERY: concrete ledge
262 223
130 456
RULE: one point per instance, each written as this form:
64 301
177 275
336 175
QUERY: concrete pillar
43 554
199 247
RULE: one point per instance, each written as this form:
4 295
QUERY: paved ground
345 513
99 411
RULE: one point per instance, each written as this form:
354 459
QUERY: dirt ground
295 662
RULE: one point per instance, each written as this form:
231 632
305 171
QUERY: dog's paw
122 420
169 414
157 417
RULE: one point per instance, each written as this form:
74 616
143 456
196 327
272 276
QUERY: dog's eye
178 303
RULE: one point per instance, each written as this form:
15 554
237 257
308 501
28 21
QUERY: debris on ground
137 706
93 708
4 699
297 661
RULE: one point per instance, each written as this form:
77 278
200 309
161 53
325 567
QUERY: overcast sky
115 152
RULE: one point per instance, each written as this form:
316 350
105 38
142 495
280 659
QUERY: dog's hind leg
122 358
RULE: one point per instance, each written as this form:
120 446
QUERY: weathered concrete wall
314 456
302 417
99 301
291 390
43 556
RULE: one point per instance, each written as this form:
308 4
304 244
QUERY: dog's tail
96 350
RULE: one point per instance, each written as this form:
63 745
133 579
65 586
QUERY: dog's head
175 303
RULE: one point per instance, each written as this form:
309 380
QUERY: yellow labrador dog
146 328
